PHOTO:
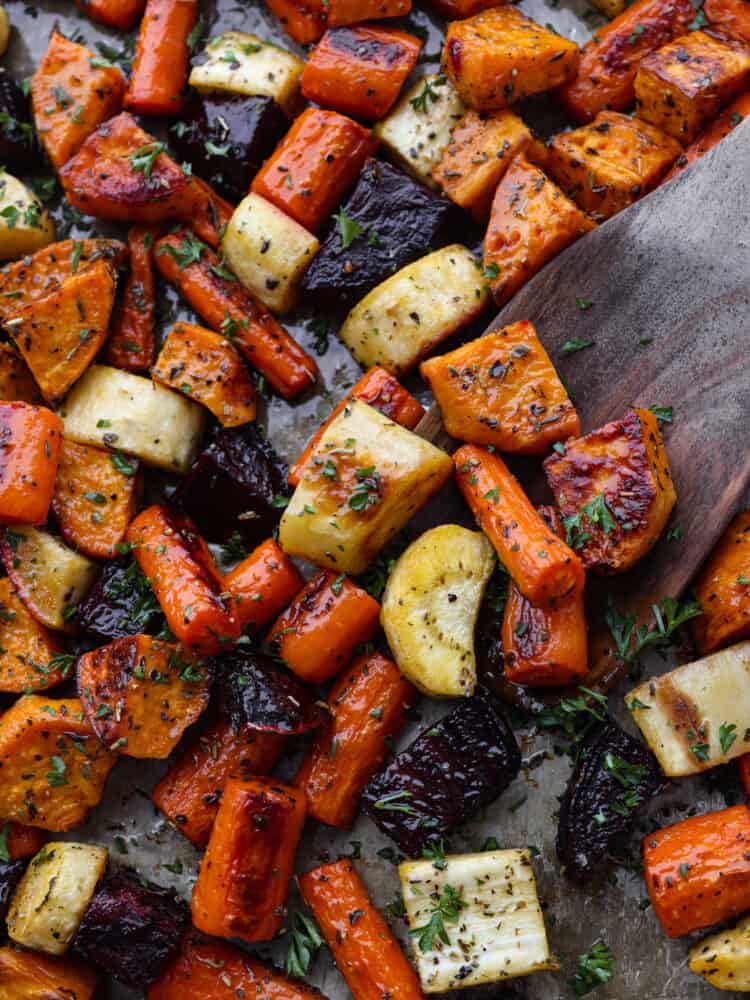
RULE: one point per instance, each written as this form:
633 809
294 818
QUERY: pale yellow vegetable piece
25 225
723 958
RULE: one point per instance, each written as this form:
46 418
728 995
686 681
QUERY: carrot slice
31 975
132 344
161 57
210 221
303 20
30 442
115 13
262 585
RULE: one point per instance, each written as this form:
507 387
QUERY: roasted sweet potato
140 695
500 56
32 657
122 173
610 60
132 343
30 443
262 585
53 767
244 876
723 589
16 381
615 491
530 223
94 501
368 701
161 57
683 86
730 17
303 20
70 97
353 11
719 129
503 390
360 71
114 13
314 165
207 368
29 975
190 791
609 164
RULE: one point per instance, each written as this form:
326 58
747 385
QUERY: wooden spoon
669 285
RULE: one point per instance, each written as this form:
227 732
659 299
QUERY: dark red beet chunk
19 150
232 486
614 776
452 769
10 875
120 603
252 690
131 930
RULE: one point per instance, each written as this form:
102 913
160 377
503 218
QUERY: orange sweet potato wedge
30 975
31 656
16 381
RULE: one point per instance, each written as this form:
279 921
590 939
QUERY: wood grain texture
674 268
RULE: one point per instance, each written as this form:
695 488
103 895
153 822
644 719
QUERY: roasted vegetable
23 841
491 925
120 603
262 585
354 497
16 381
319 631
11 873
25 226
614 777
53 896
303 20
352 11
530 223
18 142
212 215
244 877
28 975
723 958
395 220
161 57
132 343
500 56
31 657
53 766
30 443
118 410
732 116
503 390
731 17
722 590
238 473
131 930
614 488
363 946
454 767
115 13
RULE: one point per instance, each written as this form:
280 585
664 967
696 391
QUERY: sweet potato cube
30 975
60 335
53 767
481 149
205 367
353 11
614 488
94 500
531 222
730 17
30 441
723 589
29 652
609 164
140 695
500 56
16 381
683 86
503 390
732 116
70 97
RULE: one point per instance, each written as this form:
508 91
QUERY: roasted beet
614 775
131 929
457 765
19 150
252 690
226 137
400 221
10 875
232 486
120 603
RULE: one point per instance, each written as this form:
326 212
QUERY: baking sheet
646 964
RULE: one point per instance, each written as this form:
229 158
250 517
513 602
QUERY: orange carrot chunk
244 877
161 57
367 954
181 570
719 129
132 344
115 13
210 221
262 585
317 633
354 11
731 17
368 704
697 871
303 20
30 442
542 566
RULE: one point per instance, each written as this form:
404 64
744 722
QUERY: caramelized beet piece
614 775
226 137
11 873
452 769
120 603
131 930
254 691
19 150
232 485
400 219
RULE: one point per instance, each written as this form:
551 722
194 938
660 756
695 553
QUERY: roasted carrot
132 343
32 657
190 791
30 441
262 585
379 389
303 20
367 954
743 763
24 841
318 632
161 57
181 570
543 567
314 165
697 871
453 10
360 71
32 975
115 13
731 17
610 60
16 381
722 588
244 877
719 129
368 704
354 11
227 307
210 220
